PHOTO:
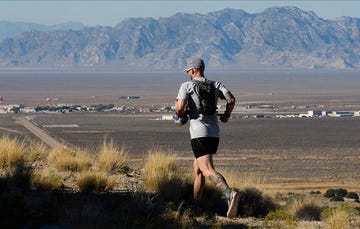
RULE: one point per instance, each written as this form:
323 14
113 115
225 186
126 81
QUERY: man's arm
180 107
230 104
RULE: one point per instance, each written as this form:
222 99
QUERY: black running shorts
205 145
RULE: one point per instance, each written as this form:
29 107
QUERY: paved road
38 132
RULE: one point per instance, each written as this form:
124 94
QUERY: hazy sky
113 12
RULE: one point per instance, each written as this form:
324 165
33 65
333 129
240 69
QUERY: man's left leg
207 169
199 182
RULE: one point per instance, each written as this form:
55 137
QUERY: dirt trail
38 132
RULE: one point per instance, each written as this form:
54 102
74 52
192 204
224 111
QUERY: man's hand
224 117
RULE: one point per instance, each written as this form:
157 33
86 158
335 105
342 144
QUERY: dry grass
112 159
47 180
341 218
88 181
38 152
11 154
305 208
236 179
65 159
164 176
160 167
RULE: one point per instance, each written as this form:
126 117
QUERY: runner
196 99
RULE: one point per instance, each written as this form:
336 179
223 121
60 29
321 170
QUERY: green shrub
337 198
341 192
352 195
329 193
279 219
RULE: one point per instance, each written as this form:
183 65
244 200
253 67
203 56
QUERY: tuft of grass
47 180
279 219
37 152
340 217
163 175
11 154
305 209
159 168
13 163
91 181
111 159
65 159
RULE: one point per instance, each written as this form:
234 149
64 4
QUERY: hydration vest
207 98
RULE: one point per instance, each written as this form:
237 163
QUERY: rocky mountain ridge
279 37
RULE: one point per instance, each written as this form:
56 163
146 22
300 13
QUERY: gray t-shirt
201 125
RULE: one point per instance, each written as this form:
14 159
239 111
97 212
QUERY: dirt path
38 132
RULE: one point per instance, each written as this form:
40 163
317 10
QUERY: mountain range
279 37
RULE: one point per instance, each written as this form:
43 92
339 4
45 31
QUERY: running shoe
233 203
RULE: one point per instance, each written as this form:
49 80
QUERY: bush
309 212
341 192
336 194
352 195
279 219
90 181
254 204
329 193
337 198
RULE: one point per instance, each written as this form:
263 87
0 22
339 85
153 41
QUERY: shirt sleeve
222 91
182 94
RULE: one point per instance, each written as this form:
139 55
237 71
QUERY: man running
204 128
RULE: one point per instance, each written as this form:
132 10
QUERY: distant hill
11 29
279 37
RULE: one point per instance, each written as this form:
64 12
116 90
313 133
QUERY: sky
110 13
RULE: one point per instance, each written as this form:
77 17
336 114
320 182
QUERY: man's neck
197 76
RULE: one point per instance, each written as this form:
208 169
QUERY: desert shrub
279 219
47 180
254 204
352 195
305 209
90 181
309 212
65 159
336 194
341 192
329 193
112 159
337 198
315 192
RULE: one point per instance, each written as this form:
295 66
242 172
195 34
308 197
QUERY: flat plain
289 154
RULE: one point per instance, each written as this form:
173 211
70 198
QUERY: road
38 132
